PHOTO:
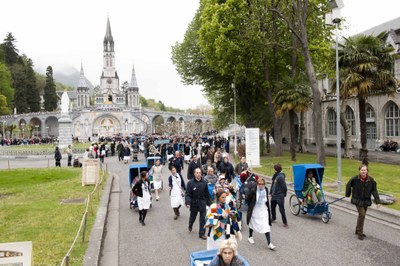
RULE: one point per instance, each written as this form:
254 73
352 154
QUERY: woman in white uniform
177 191
157 177
258 214
142 190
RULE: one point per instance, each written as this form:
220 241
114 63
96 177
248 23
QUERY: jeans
281 203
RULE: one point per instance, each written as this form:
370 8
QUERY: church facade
110 110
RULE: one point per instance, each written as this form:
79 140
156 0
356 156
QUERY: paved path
164 241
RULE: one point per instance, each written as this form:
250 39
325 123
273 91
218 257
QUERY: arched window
350 119
392 121
331 122
370 114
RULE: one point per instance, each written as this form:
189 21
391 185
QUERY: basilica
111 109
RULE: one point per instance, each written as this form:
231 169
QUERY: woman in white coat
177 191
142 190
258 213
157 177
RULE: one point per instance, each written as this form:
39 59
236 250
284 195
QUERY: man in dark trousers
192 166
278 194
197 198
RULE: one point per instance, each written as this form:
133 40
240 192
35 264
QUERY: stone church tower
83 96
109 92
132 91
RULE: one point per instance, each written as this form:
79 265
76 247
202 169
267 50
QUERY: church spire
133 83
82 79
108 38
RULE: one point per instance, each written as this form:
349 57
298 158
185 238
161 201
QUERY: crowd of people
211 190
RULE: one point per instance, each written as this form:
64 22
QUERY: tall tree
50 96
10 52
32 91
366 65
19 83
6 86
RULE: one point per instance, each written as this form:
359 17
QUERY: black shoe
176 217
203 237
361 234
361 237
143 223
190 229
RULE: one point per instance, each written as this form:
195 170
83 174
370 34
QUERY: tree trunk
347 132
276 121
293 139
302 145
363 155
316 106
268 133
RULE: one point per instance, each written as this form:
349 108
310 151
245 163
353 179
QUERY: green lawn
387 176
31 211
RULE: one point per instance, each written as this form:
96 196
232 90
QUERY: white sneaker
271 246
251 240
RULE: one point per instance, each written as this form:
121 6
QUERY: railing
82 227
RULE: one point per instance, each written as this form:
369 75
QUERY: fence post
48 163
84 228
67 260
91 203
8 164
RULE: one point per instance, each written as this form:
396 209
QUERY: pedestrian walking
278 194
222 221
69 153
361 187
57 157
192 165
156 171
142 190
258 213
226 168
127 154
197 198
177 188
177 161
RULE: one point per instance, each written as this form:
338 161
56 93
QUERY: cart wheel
326 216
294 204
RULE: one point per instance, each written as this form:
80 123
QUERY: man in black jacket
278 193
197 198
177 161
361 187
192 166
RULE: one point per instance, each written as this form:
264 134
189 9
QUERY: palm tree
294 96
366 69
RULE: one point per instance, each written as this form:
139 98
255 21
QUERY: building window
370 113
392 121
331 122
350 119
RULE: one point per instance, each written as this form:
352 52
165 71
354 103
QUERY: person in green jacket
361 187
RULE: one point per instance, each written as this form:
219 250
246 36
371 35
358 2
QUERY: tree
32 91
10 52
50 96
366 69
6 87
4 110
305 20
293 97
20 96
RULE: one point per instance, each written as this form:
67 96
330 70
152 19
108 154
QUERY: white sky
64 33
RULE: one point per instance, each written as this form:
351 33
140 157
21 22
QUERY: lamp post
4 122
37 130
234 118
47 131
334 17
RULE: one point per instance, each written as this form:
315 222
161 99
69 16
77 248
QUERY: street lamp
37 130
4 122
334 17
234 118
47 130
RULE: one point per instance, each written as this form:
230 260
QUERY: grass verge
387 176
31 211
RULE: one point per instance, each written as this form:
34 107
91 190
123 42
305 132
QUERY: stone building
383 114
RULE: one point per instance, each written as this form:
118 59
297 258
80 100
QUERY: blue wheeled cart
200 258
296 200
133 177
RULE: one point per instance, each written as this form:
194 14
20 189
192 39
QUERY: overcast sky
64 33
